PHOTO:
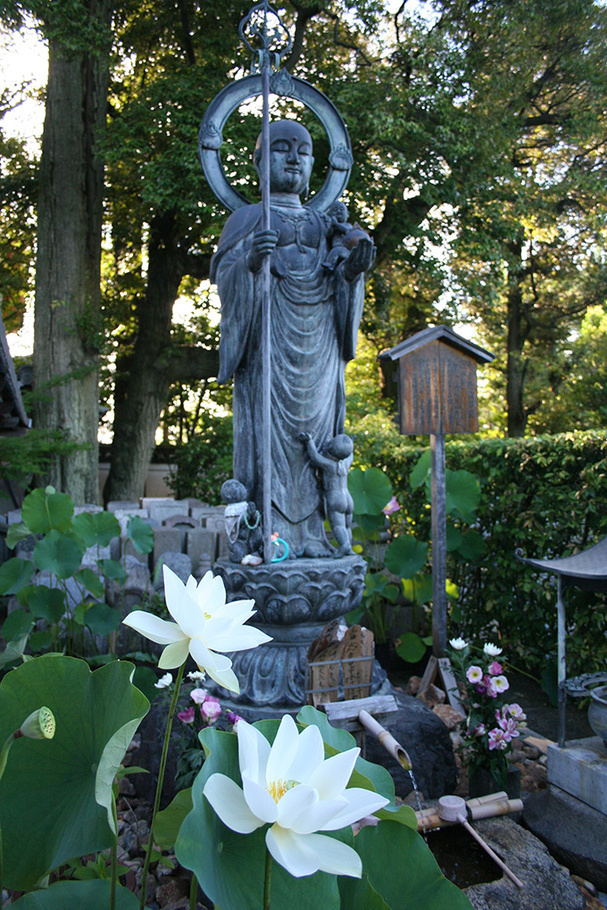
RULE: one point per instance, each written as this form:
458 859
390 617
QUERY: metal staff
257 20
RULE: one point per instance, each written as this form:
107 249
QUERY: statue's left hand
360 259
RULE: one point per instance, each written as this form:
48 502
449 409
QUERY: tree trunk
67 316
141 391
515 371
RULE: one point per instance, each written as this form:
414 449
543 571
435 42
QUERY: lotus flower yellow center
278 788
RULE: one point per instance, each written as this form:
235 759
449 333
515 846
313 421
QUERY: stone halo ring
210 138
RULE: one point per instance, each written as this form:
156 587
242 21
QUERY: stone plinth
580 768
575 834
294 600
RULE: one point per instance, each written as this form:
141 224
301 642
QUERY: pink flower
497 739
187 716
508 726
488 687
474 674
233 718
198 696
515 711
391 507
480 730
211 709
495 669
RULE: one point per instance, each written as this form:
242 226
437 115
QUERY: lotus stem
193 891
267 881
114 856
161 770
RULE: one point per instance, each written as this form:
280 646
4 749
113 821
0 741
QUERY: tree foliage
478 133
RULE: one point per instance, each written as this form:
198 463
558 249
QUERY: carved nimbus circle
210 137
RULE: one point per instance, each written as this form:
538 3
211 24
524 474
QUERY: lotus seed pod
39 725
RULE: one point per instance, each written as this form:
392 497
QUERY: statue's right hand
263 244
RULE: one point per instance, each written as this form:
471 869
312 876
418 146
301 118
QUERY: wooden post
439 546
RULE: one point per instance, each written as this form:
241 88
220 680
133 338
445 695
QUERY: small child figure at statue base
243 524
334 465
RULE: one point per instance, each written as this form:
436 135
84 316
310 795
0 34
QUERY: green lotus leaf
357 894
472 546
371 490
44 602
102 619
418 589
420 472
56 795
15 573
140 534
94 895
414 880
406 556
46 510
91 582
93 529
463 494
58 554
169 821
410 647
16 625
16 532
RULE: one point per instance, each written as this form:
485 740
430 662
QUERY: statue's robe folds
315 314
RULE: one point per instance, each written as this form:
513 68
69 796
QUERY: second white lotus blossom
291 787
492 650
458 644
205 626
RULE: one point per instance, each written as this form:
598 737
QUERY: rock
575 833
135 587
590 894
180 563
426 739
432 696
134 837
413 685
171 893
548 886
449 716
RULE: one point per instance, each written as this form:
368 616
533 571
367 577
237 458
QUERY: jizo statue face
291 158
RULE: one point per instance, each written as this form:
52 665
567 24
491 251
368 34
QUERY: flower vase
481 782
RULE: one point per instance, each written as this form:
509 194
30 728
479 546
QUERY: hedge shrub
546 495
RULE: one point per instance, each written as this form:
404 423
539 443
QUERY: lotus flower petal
305 854
253 752
174 655
227 799
331 778
159 630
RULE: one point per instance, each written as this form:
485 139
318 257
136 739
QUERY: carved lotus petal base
294 600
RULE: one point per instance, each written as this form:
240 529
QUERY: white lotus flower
458 644
292 788
492 650
204 624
